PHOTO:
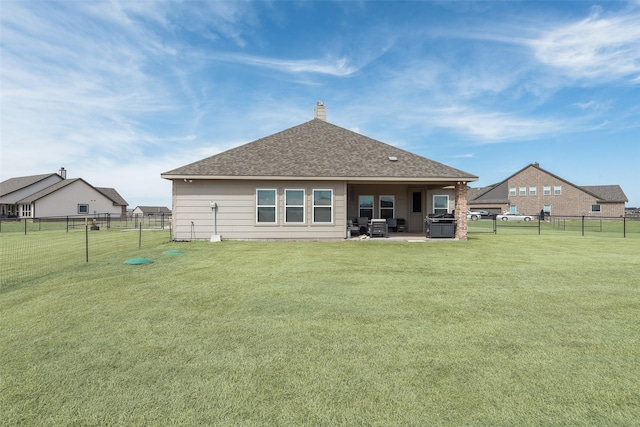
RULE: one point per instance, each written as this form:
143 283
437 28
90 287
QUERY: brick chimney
320 111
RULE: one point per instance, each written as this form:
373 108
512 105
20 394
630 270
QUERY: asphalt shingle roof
112 194
154 209
606 193
17 183
317 149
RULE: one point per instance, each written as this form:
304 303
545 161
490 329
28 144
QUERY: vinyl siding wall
65 202
236 211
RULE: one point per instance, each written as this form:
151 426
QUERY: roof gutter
323 178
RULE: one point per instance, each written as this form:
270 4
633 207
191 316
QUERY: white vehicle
474 215
514 216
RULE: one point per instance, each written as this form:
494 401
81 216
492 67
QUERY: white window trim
546 190
393 209
373 205
533 191
258 205
304 198
557 190
513 191
83 204
314 206
433 200
522 191
25 210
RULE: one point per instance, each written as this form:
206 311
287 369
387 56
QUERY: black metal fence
78 222
584 225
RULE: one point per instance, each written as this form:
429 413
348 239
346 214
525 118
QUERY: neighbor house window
557 190
26 210
365 207
546 190
533 191
387 205
440 204
266 206
512 191
523 191
294 206
513 209
547 209
83 209
595 208
322 206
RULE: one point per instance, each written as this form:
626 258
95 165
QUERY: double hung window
387 207
441 204
266 206
322 206
365 206
294 206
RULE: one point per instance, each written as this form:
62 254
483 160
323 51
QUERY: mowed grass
498 330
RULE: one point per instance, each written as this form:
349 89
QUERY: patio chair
363 224
392 224
353 229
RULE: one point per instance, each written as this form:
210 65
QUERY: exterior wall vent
393 158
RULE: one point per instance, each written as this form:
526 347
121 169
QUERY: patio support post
461 210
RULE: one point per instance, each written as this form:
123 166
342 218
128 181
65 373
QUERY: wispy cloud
494 127
598 48
340 67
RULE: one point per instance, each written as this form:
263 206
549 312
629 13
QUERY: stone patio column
461 210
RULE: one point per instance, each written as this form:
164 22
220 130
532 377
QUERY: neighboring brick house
533 189
309 182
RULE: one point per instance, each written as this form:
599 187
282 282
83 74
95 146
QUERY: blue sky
119 92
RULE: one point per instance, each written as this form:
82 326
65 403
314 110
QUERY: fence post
624 226
25 226
140 237
86 242
582 225
538 225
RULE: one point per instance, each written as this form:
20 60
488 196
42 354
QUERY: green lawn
507 329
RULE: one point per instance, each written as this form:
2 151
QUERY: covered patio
404 207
